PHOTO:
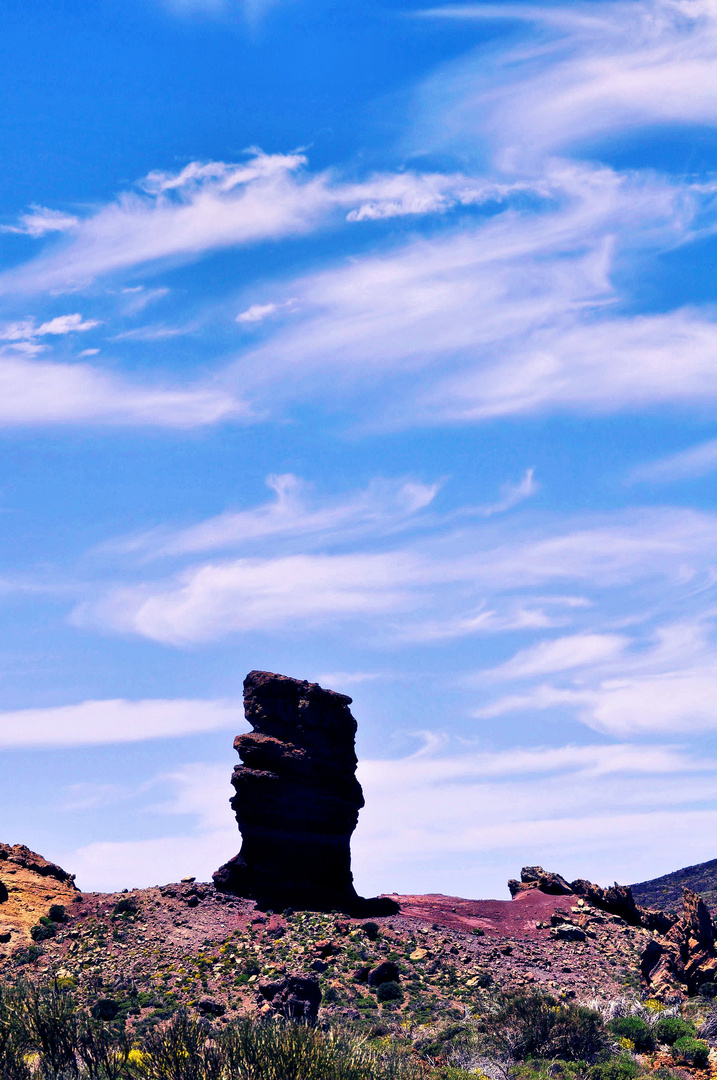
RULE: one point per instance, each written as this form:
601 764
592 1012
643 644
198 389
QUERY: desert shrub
617 1068
57 913
371 930
43 931
29 955
105 1009
181 1050
103 1050
636 1030
12 1063
47 1021
578 1033
523 1025
693 1051
294 1051
670 1028
535 1025
389 991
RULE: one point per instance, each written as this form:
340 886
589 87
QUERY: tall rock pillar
297 799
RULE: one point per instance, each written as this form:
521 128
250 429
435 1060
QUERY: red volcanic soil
497 918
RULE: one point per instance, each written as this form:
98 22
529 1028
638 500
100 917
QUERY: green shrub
693 1051
618 1068
670 1028
29 955
389 991
578 1033
57 913
42 931
371 930
535 1025
126 906
634 1029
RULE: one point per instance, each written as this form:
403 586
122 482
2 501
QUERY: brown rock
297 799
30 886
552 884
697 919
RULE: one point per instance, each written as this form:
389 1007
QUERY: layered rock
297 799
686 955
29 886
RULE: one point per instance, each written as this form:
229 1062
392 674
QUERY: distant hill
666 892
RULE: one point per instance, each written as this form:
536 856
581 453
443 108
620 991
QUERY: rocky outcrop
29 886
534 877
297 799
681 955
686 955
616 899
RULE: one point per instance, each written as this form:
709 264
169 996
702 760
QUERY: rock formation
682 952
29 886
297 799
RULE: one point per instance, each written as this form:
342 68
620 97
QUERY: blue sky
375 345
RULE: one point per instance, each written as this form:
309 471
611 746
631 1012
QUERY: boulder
210 1007
385 972
296 800
297 997
568 932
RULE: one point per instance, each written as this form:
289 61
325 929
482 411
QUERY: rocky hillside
666 892
154 949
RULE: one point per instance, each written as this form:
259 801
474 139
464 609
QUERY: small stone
418 954
188 880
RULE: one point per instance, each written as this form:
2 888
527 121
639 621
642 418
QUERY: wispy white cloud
687 464
256 313
512 495
561 654
43 392
449 583
294 513
207 206
513 316
664 684
28 330
115 721
258 594
595 70
42 221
